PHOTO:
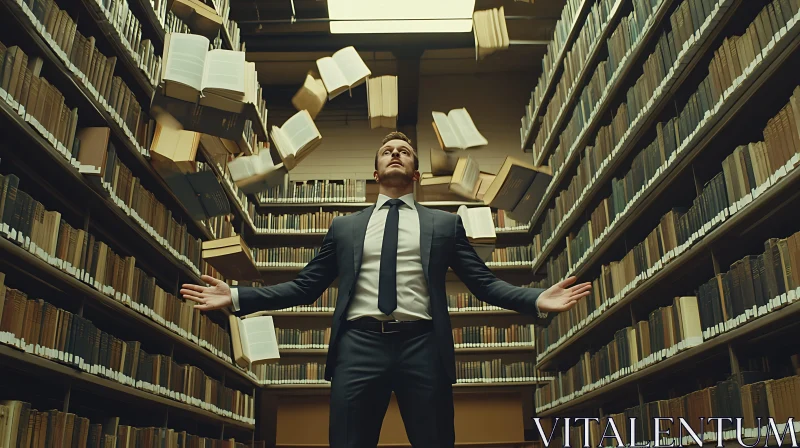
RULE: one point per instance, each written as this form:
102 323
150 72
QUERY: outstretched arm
480 280
306 288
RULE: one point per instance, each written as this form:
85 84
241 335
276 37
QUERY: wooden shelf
647 120
26 263
462 350
744 220
51 370
63 76
41 154
667 367
551 82
586 71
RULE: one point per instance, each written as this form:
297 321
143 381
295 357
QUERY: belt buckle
383 327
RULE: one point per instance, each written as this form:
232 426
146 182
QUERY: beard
396 178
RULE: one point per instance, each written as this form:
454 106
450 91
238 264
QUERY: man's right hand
213 297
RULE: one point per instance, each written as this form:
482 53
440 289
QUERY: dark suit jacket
443 244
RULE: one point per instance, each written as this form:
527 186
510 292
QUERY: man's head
396 162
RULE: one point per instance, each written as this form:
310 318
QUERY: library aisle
592 220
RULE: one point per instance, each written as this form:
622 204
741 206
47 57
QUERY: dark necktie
387 280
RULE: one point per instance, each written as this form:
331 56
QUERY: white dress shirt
413 300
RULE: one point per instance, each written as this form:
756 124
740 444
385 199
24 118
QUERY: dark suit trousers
369 367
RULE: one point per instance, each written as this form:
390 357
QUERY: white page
249 166
351 65
482 222
243 337
186 60
261 338
225 71
389 94
331 76
449 136
461 119
299 130
463 212
375 97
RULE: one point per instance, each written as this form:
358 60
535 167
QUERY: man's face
396 161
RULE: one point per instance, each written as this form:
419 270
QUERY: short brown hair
397 135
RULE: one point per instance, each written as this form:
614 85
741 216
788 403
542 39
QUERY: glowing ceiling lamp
400 16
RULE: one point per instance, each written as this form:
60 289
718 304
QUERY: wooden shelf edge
86 291
787 184
677 359
30 361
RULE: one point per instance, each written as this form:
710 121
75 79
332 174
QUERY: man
391 328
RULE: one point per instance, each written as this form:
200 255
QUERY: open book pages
201 18
191 71
444 162
174 150
478 223
456 130
491 34
311 96
514 180
254 340
466 178
382 101
257 172
342 71
296 138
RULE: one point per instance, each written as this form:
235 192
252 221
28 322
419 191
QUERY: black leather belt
391 326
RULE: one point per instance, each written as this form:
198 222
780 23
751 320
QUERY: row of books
23 426
220 226
293 338
575 63
240 196
38 102
316 222
299 256
511 256
708 415
726 302
489 336
129 32
73 340
622 41
671 138
487 371
555 48
80 254
663 61
747 289
102 165
95 71
310 191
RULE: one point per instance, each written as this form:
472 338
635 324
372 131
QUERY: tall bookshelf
646 203
302 332
99 335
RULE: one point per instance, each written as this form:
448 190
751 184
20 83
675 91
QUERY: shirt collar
408 199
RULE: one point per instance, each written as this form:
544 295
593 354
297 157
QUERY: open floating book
296 138
490 31
256 173
518 188
311 96
479 226
221 79
456 130
443 162
342 71
382 101
253 340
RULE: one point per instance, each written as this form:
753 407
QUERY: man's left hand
561 296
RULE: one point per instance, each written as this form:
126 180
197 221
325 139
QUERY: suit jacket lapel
425 237
360 222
